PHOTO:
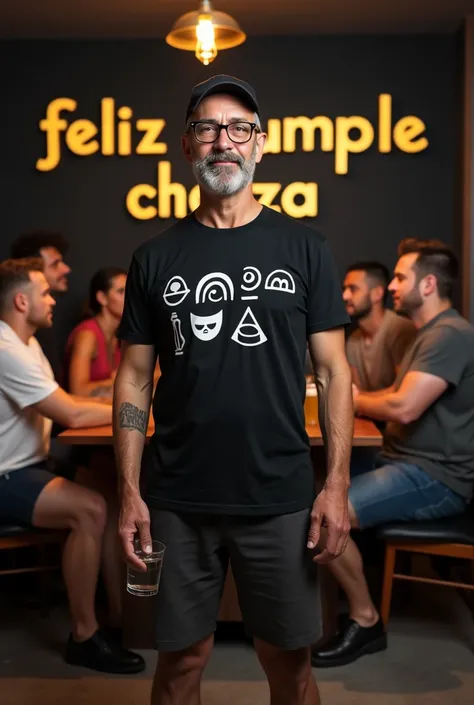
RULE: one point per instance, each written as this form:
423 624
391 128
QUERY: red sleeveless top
100 366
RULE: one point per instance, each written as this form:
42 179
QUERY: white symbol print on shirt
252 280
179 340
248 332
175 291
214 287
280 280
206 327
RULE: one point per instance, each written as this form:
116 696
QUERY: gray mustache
223 156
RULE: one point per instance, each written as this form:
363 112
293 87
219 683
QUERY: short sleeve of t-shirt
442 353
136 326
24 379
325 305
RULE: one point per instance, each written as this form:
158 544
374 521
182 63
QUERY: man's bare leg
289 674
349 572
64 505
178 675
101 477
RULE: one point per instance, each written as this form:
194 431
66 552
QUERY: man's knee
185 665
90 513
285 668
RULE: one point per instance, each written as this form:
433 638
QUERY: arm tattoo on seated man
130 416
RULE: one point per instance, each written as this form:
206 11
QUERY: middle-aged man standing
426 467
228 298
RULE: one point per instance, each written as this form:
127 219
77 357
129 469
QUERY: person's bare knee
63 504
93 512
287 671
184 668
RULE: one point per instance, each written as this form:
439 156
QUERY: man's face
356 295
223 167
40 302
55 269
404 287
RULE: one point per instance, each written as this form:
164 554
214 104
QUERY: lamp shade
227 33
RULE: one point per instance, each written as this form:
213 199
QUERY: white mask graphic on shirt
206 327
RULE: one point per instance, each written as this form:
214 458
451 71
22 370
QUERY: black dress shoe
349 644
101 653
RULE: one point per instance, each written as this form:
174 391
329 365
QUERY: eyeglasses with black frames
238 132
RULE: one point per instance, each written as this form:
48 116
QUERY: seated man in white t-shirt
30 493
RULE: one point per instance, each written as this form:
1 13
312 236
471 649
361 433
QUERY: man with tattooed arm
228 299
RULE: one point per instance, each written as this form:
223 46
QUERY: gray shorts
277 582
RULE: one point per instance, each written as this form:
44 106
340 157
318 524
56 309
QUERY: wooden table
138 622
365 434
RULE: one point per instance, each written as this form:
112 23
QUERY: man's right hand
134 519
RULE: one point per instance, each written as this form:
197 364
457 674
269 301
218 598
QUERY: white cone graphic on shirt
248 333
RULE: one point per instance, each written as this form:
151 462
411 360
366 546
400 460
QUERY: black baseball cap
223 84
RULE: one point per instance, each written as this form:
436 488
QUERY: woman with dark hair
92 350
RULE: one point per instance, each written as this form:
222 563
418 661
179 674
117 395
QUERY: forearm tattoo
132 417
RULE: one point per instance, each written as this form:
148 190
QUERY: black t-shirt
229 312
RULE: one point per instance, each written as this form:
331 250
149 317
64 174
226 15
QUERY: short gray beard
225 180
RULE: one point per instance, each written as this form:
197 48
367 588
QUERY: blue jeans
399 491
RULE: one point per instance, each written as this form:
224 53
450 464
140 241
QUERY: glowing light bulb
206 50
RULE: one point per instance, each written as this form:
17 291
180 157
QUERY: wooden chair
452 537
14 536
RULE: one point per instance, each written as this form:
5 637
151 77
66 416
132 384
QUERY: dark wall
363 213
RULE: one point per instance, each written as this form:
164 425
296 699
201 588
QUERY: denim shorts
20 489
400 491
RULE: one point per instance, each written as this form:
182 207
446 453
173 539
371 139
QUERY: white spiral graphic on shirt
215 287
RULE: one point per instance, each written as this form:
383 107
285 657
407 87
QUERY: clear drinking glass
146 584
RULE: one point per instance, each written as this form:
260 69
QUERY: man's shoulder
155 245
454 330
9 341
16 357
451 324
285 224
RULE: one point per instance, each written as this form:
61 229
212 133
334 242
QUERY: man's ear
21 301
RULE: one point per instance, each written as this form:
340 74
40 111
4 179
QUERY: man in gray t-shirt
426 467
440 440
381 337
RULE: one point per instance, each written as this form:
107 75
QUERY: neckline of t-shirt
447 312
256 222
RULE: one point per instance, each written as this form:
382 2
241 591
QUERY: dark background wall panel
364 214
